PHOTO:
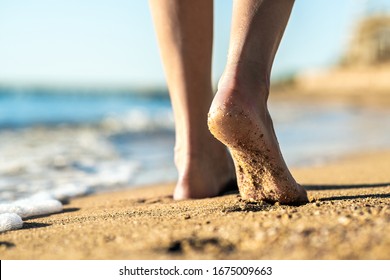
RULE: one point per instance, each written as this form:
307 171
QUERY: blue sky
112 43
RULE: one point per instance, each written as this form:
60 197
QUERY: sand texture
348 218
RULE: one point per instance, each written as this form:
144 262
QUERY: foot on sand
207 173
239 118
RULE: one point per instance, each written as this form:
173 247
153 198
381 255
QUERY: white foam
30 207
141 120
63 192
10 221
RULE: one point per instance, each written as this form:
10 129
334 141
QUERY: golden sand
348 217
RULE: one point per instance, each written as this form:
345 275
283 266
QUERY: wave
125 111
140 120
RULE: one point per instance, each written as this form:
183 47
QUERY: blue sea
66 143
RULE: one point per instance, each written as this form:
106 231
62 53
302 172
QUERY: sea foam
11 214
9 221
29 207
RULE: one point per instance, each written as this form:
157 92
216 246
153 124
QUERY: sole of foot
247 131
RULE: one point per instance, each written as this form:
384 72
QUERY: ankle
197 153
244 83
247 73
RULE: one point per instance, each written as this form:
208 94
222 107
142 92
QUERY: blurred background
84 105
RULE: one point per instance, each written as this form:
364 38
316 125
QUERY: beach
99 118
67 144
348 217
111 166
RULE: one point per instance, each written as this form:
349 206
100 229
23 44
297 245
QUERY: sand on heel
260 169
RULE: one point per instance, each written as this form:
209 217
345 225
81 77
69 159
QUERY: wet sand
348 217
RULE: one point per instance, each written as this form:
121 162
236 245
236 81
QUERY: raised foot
261 171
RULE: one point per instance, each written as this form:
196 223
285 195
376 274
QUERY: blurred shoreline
55 144
365 86
148 92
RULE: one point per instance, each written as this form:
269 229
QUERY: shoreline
347 218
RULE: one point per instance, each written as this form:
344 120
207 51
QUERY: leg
239 117
184 31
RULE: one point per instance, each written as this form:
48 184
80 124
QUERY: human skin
238 116
185 34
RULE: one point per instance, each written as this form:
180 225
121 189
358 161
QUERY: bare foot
239 118
207 172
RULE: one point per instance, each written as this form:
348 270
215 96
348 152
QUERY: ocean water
62 144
